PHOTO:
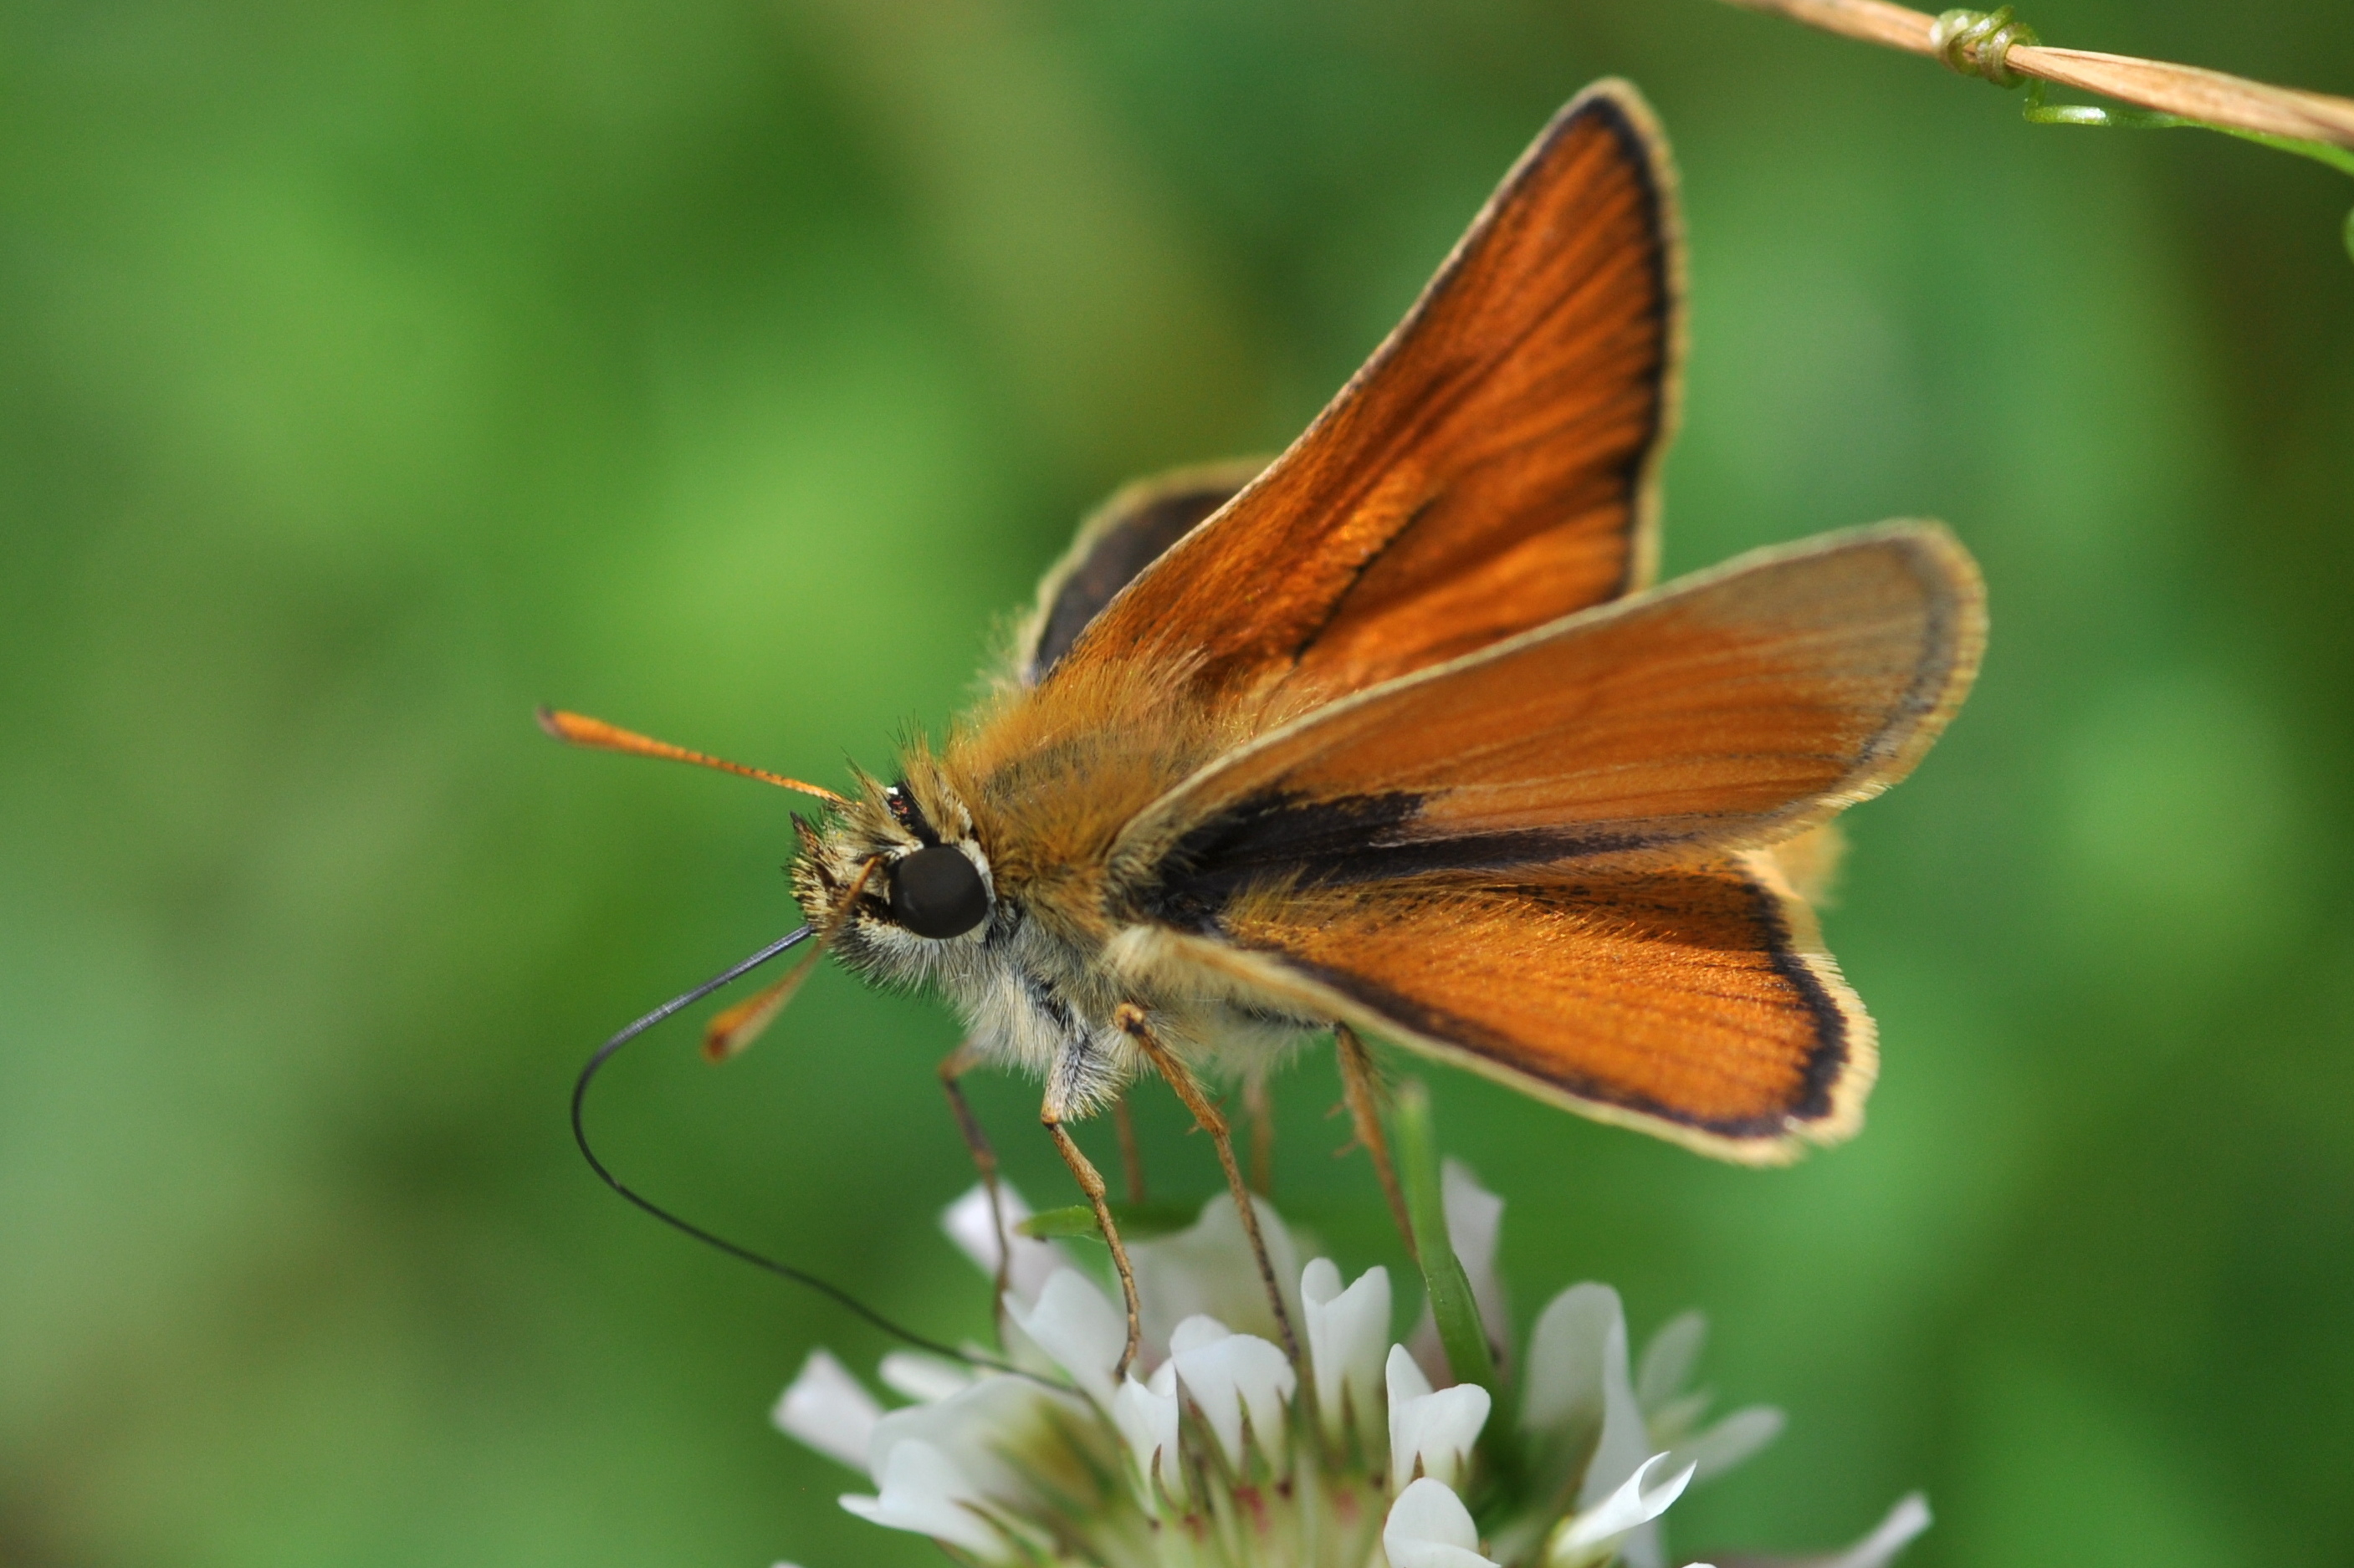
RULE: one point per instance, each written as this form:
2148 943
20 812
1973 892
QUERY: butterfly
1393 736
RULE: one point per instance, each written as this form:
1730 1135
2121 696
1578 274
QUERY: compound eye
935 892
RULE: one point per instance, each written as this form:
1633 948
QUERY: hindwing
1119 539
1694 1001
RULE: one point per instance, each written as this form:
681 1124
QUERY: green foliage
373 373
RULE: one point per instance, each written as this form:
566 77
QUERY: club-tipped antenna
578 729
824 1287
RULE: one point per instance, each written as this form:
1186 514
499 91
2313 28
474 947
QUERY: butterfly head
896 878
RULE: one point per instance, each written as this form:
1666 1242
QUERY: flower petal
1560 1384
1577 1392
1475 1220
1667 1360
1594 1535
925 1492
1428 1527
1346 1331
1209 1268
1730 1441
1672 1422
1908 1519
830 1409
1196 1332
1233 1376
1005 1435
1076 1324
1430 1432
1147 1416
1406 1384
1447 1424
925 1379
967 1222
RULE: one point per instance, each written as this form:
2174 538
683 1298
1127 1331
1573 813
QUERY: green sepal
1452 1305
1137 1222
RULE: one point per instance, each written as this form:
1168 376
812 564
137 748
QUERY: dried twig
2191 91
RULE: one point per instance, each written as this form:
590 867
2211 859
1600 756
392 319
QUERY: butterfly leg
1260 1106
960 1061
1361 1090
1091 1182
1131 1155
1131 1020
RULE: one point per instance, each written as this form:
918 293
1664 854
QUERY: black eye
936 893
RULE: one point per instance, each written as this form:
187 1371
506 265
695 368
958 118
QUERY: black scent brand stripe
1275 836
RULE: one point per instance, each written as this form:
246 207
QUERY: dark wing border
1116 543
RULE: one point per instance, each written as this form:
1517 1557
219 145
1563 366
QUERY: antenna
578 729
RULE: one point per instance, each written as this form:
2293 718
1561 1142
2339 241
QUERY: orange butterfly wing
1490 468
1118 540
1549 859
1696 1002
1726 712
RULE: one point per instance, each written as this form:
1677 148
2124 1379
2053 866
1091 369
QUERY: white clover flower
1431 1433
1346 1330
826 1408
1216 1450
1241 1383
1147 1414
926 1379
1428 1527
1595 1535
924 1491
968 1223
1078 1328
1207 1271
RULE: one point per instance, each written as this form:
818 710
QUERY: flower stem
1452 1307
2191 92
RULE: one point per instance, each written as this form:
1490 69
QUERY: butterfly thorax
1034 790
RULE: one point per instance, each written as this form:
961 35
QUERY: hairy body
1036 795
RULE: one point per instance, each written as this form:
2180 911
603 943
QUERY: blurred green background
373 371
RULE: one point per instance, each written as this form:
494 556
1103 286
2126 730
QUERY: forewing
1119 539
1727 711
1490 468
1696 1002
